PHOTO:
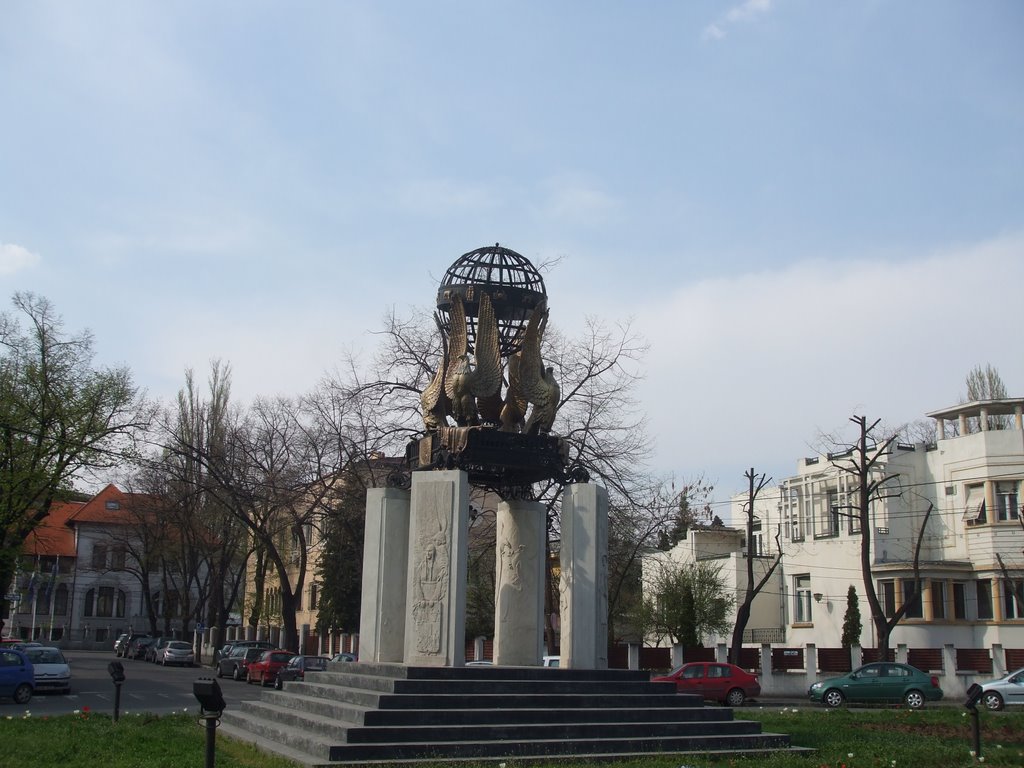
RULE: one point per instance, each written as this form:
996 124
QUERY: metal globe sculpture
514 286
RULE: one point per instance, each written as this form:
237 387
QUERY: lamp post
974 694
116 671
211 706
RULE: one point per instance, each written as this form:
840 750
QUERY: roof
53 536
110 505
1003 407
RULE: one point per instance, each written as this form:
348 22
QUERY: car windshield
315 662
178 645
46 656
278 657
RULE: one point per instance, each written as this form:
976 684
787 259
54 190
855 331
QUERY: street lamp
211 706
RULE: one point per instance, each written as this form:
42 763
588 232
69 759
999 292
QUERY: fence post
998 660
856 656
478 648
722 653
633 656
355 644
767 680
901 653
810 664
949 660
676 655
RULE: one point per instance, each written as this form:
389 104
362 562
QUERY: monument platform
371 713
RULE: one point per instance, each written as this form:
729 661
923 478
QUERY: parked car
124 643
52 671
17 677
343 656
297 668
225 650
1008 689
264 670
714 681
879 683
237 662
137 650
154 649
176 652
551 661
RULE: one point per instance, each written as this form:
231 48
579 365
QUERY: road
147 688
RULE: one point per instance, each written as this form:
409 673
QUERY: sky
809 210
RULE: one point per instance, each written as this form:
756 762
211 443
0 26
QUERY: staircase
359 713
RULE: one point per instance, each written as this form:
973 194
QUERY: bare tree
865 462
756 483
985 383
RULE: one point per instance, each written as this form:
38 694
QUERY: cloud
15 258
750 370
446 197
575 199
748 11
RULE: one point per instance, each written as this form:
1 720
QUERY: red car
264 670
725 683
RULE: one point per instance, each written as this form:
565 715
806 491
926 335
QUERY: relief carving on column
433 548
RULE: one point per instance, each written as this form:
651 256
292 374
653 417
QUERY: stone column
385 555
583 587
435 616
519 578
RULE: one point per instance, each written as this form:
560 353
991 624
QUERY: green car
879 683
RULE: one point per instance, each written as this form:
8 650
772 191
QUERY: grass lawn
935 738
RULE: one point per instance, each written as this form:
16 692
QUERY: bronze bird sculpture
539 386
465 382
434 400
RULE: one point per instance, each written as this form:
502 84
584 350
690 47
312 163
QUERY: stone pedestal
435 617
385 556
519 579
583 587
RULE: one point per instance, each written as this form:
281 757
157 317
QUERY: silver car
1008 689
176 652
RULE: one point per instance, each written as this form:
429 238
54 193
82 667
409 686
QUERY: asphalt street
147 688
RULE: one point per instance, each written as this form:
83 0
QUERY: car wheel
735 697
23 694
914 699
236 674
833 698
220 672
992 701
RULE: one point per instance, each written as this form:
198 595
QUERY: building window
828 520
117 559
90 597
99 556
974 507
1007 501
105 602
887 597
938 599
802 606
984 592
1012 609
313 590
60 600
959 600
112 504
911 599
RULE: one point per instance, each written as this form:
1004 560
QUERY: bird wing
434 400
486 379
531 367
457 344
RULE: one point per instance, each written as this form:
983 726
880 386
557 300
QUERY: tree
986 384
864 461
60 417
598 418
686 602
756 484
852 626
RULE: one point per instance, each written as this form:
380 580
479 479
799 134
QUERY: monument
488 418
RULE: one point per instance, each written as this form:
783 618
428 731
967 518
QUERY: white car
1008 689
176 652
552 661
52 672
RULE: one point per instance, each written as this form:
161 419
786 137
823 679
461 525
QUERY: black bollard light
973 697
211 706
116 671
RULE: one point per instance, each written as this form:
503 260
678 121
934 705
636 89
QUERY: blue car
17 677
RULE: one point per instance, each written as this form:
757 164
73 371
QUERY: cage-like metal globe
513 283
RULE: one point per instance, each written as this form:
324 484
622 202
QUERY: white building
972 474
